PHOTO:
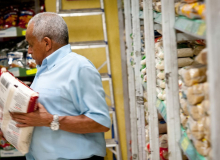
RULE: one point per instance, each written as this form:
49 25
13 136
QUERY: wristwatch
55 123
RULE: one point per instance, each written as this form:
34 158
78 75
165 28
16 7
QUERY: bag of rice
16 97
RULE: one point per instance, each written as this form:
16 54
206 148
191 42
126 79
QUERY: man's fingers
41 107
22 125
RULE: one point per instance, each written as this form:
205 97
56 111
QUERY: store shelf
22 72
88 44
10 153
161 107
193 29
188 148
12 32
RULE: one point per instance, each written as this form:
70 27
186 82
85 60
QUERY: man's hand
40 117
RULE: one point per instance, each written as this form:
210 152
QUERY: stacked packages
194 102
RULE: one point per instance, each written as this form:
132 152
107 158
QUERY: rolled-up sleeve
92 96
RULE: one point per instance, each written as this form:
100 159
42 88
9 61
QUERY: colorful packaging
1 20
15 97
25 17
11 17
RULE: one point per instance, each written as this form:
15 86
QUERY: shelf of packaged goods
10 153
12 32
192 28
188 147
22 72
161 107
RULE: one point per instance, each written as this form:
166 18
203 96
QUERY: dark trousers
94 158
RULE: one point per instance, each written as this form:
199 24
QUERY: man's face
36 48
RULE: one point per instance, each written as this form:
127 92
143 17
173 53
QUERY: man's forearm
80 124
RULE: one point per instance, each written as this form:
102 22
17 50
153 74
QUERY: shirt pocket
50 98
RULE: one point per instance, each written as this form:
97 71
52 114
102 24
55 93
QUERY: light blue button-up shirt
69 85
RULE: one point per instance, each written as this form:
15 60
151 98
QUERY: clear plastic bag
195 94
161 74
193 74
161 83
161 94
202 57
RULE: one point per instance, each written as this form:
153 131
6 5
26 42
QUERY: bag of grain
16 97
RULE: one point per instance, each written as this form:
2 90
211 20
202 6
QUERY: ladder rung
105 76
88 44
80 12
111 143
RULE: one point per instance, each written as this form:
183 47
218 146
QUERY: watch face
54 126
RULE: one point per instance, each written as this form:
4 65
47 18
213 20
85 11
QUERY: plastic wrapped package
145 78
183 105
157 6
162 128
11 17
202 57
143 62
163 142
161 83
189 10
183 119
206 90
182 62
24 18
160 52
193 74
144 71
196 128
202 146
159 116
201 9
197 49
206 105
10 97
195 94
196 112
189 134
161 74
161 93
183 52
145 95
207 125
159 64
158 46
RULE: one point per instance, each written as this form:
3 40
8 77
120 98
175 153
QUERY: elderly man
72 113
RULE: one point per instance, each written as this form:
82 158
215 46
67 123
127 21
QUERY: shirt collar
51 60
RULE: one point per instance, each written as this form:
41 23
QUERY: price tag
23 32
31 71
185 144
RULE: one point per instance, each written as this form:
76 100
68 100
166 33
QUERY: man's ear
48 43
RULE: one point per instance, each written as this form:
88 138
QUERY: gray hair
51 25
